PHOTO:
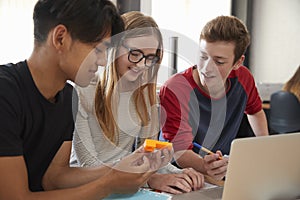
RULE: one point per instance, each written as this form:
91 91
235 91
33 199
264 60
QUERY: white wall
183 19
275 47
16 25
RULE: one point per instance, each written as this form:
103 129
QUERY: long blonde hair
293 85
106 97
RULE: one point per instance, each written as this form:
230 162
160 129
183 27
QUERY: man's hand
215 167
134 170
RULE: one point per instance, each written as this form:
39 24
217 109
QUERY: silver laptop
260 168
264 168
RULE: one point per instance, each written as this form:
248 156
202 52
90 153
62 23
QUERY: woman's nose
141 63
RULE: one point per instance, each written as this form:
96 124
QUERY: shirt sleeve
254 103
11 142
175 117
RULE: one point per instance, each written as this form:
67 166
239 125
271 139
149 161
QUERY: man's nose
101 61
208 66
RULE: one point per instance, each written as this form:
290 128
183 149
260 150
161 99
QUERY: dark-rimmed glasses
136 55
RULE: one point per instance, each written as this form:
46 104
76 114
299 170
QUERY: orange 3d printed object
151 145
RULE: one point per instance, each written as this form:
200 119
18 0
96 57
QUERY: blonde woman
119 110
293 85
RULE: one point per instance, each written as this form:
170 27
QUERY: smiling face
215 64
140 46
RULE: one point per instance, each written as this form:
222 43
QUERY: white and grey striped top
91 147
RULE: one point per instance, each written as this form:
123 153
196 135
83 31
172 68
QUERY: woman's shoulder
86 95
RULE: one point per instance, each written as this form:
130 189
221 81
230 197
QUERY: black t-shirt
29 124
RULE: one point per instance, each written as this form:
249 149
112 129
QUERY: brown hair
293 85
136 25
229 29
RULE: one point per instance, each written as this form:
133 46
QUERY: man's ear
239 62
60 37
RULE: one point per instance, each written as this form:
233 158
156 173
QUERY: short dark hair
87 20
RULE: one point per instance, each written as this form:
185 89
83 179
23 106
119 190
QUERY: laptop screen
264 168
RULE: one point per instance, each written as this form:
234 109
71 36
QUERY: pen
204 149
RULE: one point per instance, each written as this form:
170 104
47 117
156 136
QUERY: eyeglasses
136 55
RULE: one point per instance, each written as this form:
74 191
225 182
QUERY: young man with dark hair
71 38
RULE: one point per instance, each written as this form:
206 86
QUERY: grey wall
243 9
275 47
128 5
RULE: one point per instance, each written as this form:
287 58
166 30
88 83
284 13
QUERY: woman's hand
197 178
134 170
186 181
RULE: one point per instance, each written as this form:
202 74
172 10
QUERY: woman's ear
60 37
239 62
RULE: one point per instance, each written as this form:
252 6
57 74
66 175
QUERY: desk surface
207 194
204 194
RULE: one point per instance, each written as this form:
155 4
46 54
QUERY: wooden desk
210 180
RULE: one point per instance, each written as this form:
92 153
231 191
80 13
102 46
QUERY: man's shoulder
180 84
11 70
11 88
12 84
9 76
242 71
